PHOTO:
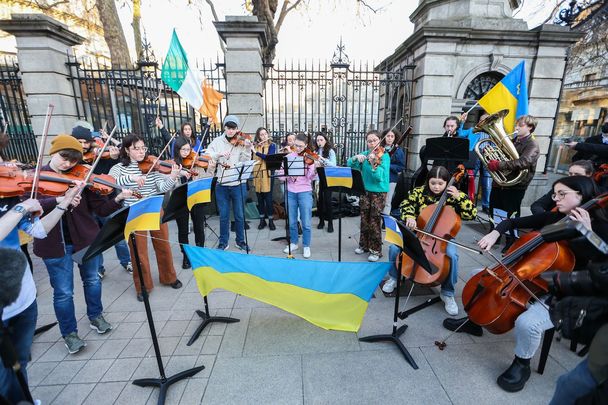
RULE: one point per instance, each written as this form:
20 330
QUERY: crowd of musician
67 215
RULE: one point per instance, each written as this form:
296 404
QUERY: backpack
579 318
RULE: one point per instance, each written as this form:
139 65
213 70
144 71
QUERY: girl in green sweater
375 172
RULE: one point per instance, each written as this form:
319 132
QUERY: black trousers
507 199
198 220
324 206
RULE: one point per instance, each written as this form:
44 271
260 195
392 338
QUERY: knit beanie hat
232 120
64 141
81 132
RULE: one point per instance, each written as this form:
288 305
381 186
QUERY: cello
440 220
494 298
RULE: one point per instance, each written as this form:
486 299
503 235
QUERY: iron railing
14 115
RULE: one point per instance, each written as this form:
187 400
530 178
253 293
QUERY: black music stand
176 206
447 149
111 232
411 248
357 188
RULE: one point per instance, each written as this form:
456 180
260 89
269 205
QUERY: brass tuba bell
498 147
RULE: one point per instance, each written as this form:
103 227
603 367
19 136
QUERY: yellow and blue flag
199 191
510 93
144 215
339 177
327 294
393 233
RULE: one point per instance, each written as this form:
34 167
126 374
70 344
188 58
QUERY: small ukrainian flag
144 215
393 233
339 177
199 191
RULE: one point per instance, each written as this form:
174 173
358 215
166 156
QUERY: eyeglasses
560 195
141 148
299 146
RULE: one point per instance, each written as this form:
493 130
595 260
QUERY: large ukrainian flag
144 215
199 191
511 93
339 177
327 294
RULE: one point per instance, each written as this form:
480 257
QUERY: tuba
498 147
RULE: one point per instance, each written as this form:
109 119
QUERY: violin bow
98 158
160 154
200 146
45 134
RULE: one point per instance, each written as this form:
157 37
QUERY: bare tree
136 24
113 33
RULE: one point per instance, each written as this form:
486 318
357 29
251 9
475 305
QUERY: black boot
515 377
321 224
469 327
186 263
262 224
271 225
330 226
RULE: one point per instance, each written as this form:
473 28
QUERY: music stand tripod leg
163 383
207 319
397 332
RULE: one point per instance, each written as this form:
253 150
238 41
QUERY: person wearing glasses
128 175
569 193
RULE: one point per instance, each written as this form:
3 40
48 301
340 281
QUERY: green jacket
375 180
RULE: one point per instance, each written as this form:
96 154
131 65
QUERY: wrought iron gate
338 98
14 115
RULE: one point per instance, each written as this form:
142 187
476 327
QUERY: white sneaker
390 285
294 247
359 251
373 258
306 252
450 304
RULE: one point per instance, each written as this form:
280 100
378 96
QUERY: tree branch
368 6
216 19
284 11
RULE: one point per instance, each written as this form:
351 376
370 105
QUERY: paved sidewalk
271 356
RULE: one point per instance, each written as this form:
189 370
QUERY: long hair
436 172
587 189
587 165
328 145
127 142
191 138
394 131
179 143
256 139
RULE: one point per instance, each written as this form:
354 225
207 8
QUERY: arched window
481 84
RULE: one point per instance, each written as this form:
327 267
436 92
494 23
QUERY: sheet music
240 171
295 166
246 168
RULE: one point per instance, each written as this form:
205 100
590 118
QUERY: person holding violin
374 165
569 193
229 150
262 180
19 318
184 150
299 200
77 230
128 173
397 157
410 208
82 132
186 131
327 157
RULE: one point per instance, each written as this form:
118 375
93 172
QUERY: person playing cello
419 198
569 193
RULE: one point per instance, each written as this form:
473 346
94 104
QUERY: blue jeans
21 333
61 274
302 203
486 184
122 250
225 196
573 385
529 329
447 288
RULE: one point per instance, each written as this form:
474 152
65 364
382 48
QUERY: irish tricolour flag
183 79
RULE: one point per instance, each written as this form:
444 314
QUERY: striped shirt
155 182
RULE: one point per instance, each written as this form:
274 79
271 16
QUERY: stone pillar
244 36
42 48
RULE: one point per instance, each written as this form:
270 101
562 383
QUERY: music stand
176 206
447 149
111 232
293 166
357 188
411 248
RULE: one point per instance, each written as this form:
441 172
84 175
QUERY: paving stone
183 350
266 380
166 344
133 395
38 371
121 370
125 330
105 393
211 345
136 348
193 393
92 371
367 377
64 372
56 352
110 349
273 331
38 349
148 368
73 394
174 328
47 393
207 360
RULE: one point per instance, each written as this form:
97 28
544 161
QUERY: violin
375 156
601 172
200 161
163 166
310 157
494 299
239 139
102 184
440 220
90 156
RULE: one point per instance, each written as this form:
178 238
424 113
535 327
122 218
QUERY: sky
311 32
